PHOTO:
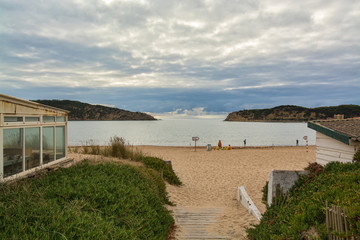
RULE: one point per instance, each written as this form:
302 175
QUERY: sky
182 58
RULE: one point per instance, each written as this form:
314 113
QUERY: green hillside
294 113
84 111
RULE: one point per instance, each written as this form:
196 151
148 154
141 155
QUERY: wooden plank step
196 221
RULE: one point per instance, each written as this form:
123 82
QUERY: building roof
346 130
8 103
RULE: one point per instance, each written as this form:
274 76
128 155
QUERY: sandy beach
210 180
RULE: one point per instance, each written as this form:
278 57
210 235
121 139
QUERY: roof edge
5 97
330 133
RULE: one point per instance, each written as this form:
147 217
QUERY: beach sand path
210 181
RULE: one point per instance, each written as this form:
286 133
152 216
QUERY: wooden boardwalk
195 222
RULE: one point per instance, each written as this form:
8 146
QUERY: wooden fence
337 223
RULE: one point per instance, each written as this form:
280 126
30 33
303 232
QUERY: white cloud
186 113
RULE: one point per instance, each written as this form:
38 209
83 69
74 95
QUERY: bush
356 157
304 208
160 165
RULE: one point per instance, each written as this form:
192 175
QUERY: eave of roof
346 130
15 100
330 133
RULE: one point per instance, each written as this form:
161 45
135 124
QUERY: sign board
195 138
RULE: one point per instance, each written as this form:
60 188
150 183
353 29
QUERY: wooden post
328 220
195 139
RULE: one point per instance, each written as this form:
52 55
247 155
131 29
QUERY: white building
336 140
32 136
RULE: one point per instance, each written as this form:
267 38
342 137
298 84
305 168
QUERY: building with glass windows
32 136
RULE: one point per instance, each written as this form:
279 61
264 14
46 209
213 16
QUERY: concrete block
281 180
246 201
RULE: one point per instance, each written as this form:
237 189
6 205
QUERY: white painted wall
331 150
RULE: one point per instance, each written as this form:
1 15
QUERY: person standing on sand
244 142
219 144
297 142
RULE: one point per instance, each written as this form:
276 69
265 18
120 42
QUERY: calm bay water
179 132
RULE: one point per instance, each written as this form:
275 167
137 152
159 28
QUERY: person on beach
297 142
244 142
229 148
219 144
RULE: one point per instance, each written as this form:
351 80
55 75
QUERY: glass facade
22 148
32 119
48 144
60 119
12 151
48 119
32 147
32 136
13 119
60 142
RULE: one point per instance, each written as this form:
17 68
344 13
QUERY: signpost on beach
306 139
195 139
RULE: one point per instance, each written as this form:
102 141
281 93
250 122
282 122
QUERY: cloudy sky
189 57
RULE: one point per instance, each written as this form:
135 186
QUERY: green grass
86 201
304 207
120 149
160 165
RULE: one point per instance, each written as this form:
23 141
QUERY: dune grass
86 201
120 149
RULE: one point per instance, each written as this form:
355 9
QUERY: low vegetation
301 213
84 111
120 149
294 113
91 200
86 201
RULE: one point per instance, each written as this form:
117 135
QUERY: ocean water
179 132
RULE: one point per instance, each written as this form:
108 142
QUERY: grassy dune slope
86 201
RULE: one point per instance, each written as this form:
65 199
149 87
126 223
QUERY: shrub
356 157
304 208
265 193
160 165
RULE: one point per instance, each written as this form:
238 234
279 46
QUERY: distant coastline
80 111
291 113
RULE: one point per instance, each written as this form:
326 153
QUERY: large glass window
48 144
13 151
32 147
60 142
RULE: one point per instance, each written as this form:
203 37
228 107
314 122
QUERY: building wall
331 150
32 137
